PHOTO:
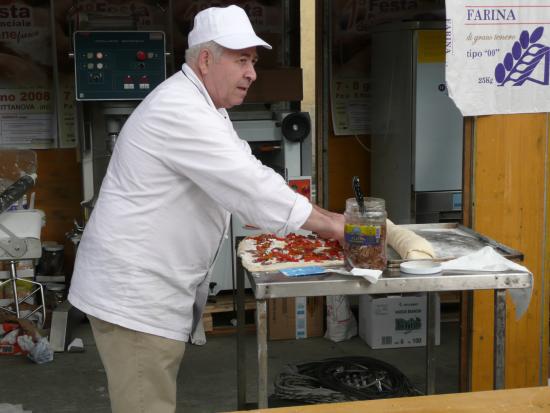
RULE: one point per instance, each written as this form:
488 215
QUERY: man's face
230 75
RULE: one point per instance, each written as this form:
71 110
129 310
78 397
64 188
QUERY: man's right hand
326 224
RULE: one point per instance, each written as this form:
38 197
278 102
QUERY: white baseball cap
227 26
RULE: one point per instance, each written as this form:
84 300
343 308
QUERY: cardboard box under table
391 321
295 318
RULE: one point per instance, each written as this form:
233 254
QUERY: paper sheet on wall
26 76
350 110
498 56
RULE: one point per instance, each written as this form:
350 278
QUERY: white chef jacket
177 172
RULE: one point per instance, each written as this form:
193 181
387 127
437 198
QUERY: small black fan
296 126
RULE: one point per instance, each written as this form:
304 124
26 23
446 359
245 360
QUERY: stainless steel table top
275 285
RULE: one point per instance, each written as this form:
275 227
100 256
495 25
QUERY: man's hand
325 223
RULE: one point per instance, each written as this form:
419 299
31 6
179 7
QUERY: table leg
499 353
261 334
430 342
241 350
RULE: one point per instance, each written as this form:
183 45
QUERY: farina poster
498 56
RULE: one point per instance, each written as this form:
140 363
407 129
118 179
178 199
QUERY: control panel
118 65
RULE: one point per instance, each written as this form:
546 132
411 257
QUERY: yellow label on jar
362 234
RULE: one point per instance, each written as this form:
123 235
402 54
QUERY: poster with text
498 56
349 97
26 98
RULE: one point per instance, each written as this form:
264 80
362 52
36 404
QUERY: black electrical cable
364 378
294 386
342 379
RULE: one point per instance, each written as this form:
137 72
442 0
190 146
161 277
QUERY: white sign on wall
498 56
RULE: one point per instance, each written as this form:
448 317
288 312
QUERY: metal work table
266 285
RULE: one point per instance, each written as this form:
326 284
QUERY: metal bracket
14 246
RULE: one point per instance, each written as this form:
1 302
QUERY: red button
141 55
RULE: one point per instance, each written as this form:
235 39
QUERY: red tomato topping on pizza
295 248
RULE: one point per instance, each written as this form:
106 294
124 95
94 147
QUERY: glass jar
51 262
365 234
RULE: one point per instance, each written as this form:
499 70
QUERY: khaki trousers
141 368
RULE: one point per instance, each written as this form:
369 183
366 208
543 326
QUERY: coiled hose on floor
342 379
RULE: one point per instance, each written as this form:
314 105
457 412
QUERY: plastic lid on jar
371 204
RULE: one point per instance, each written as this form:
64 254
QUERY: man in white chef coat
177 173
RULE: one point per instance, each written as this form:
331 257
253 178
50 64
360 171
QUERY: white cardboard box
395 320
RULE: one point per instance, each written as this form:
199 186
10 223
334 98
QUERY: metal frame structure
37 288
15 248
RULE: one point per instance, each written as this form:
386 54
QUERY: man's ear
205 60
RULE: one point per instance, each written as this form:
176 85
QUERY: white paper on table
369 275
487 259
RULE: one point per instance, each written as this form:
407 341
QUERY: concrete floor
75 382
